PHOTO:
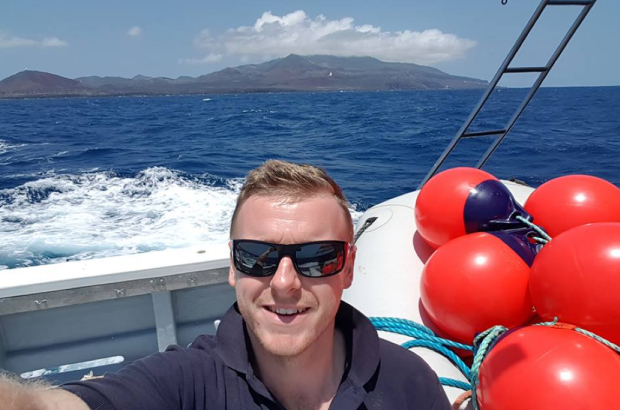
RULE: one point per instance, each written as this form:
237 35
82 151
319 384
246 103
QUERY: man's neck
309 380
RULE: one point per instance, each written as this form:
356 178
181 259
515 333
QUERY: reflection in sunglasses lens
312 260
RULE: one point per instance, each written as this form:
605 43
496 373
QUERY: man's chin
285 346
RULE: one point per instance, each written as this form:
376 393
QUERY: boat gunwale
114 270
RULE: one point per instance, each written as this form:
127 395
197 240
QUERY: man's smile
286 312
285 315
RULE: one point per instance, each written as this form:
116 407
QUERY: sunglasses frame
289 250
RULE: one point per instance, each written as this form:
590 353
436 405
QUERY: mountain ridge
290 73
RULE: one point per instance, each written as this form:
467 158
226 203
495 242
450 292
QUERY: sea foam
75 217
6 146
69 217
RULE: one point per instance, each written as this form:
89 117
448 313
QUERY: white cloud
210 58
53 42
12 41
7 42
204 40
297 33
134 31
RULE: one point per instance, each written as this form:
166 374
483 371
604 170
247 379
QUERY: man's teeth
287 311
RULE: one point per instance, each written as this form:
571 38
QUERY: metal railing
505 68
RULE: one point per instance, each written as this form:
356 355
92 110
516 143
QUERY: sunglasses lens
311 259
255 259
320 259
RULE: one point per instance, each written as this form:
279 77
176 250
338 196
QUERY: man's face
268 219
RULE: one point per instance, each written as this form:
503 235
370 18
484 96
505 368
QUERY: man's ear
232 274
348 278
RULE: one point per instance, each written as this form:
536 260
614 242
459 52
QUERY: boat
64 321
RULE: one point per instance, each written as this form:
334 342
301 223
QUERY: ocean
84 178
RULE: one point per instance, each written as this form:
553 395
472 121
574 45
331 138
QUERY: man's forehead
316 217
290 202
286 207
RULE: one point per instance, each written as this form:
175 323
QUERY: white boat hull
388 268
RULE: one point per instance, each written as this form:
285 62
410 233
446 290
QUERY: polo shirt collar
230 332
360 335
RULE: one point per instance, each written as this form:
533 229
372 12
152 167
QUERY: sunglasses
311 259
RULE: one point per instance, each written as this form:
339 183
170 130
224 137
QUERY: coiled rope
424 337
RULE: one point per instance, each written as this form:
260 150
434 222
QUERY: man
289 342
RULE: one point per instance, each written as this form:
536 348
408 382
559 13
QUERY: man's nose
286 279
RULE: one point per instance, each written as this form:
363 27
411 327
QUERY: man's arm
17 395
161 381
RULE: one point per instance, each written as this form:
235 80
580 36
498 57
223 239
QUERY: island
313 73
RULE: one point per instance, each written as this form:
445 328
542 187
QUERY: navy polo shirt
216 373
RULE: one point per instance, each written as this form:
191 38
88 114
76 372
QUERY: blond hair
290 182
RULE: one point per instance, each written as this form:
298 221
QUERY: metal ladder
500 134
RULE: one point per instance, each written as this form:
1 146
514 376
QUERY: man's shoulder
201 353
202 344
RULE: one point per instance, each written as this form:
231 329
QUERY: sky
76 38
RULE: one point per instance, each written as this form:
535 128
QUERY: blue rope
600 339
443 350
537 228
540 240
426 338
584 332
455 383
413 329
482 342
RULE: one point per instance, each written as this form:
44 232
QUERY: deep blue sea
91 177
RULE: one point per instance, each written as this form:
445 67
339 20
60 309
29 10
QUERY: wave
72 217
7 146
98 152
75 217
